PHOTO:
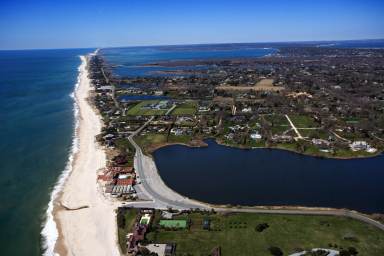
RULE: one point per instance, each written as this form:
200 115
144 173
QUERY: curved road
162 201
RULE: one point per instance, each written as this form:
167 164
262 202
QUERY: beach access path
91 228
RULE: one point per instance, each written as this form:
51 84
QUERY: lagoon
223 175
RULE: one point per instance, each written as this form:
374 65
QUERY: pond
224 175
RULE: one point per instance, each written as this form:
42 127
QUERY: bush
121 220
261 227
351 251
275 251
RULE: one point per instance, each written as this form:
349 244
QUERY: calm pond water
127 98
223 175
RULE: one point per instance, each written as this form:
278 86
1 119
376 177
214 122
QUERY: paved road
158 200
164 201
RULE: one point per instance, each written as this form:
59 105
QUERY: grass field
236 234
140 110
316 133
301 121
151 139
279 123
186 108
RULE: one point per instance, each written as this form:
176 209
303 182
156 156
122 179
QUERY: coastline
83 221
49 230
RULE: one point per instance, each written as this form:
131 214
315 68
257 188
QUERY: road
159 200
162 197
294 127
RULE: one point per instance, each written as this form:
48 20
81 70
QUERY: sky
40 24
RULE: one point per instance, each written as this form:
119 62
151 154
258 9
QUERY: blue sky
82 23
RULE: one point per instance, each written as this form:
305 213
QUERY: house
206 224
135 237
362 145
120 190
255 136
281 138
321 142
247 110
177 131
145 219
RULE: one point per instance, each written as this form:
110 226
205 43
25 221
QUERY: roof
127 181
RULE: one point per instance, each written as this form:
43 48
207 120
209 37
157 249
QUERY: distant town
318 101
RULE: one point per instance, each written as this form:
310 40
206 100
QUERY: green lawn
318 133
236 234
125 221
150 139
301 121
279 123
186 108
140 110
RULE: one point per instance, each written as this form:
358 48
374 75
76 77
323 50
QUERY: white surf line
49 232
294 127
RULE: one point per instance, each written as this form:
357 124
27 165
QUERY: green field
186 108
236 234
150 139
140 110
301 121
278 123
315 133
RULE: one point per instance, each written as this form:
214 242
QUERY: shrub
261 227
275 251
351 251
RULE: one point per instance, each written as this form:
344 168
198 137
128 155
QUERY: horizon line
194 44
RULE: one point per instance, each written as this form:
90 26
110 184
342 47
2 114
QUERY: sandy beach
84 218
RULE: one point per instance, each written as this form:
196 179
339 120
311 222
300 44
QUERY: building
206 224
256 136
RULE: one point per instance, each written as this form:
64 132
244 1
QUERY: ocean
36 134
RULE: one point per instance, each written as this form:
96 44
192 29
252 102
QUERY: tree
275 251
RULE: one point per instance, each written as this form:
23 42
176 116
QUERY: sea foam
49 231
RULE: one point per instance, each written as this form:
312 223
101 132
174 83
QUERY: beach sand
90 230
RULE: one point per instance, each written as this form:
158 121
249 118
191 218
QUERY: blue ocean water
36 128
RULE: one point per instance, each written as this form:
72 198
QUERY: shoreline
84 220
202 143
50 232
158 182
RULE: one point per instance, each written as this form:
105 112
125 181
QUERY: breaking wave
49 231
